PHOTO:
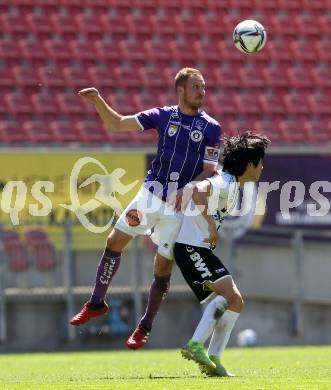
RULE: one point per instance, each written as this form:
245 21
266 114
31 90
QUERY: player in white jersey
212 200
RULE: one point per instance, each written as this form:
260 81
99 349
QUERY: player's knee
236 302
117 240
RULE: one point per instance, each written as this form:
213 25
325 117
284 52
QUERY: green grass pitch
298 368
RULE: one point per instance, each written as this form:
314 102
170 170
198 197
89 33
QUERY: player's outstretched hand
91 94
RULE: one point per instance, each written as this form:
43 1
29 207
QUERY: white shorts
147 211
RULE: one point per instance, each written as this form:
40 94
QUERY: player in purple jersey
188 149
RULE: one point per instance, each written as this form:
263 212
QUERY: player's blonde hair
184 74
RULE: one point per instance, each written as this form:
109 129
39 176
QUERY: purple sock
107 268
158 291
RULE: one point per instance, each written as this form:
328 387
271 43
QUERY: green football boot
219 369
195 351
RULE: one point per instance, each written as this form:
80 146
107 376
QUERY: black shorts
199 266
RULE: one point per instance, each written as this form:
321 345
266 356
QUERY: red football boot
138 338
89 311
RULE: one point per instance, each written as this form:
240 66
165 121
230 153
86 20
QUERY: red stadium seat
271 129
58 49
17 102
73 104
15 251
295 131
38 23
42 250
39 132
320 104
13 21
88 22
102 76
107 49
272 103
92 131
120 137
25 76
65 131
44 104
51 77
31 49
321 76
82 49
300 77
13 132
76 77
296 103
63 23
9 49
320 132
6 77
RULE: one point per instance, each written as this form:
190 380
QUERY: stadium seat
39 131
102 76
272 103
44 103
63 24
31 49
296 103
12 132
65 131
6 76
18 102
15 251
320 132
25 76
13 21
51 77
82 49
295 131
72 104
92 131
38 23
76 77
42 250
145 137
9 49
58 49
120 137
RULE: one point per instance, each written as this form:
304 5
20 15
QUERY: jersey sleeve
148 119
212 148
219 192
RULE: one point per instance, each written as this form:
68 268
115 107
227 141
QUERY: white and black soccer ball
247 338
249 36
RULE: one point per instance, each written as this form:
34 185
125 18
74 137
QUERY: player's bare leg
157 292
107 268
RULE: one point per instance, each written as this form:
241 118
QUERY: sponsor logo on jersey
212 153
172 130
199 124
196 135
218 271
174 114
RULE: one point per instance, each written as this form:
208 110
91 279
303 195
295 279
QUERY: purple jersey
185 143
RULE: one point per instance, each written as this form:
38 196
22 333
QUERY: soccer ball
249 36
247 338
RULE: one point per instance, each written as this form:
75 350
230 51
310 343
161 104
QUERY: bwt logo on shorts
133 217
198 262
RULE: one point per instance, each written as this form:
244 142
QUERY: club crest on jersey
196 136
172 130
199 124
174 114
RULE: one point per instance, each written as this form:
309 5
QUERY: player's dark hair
183 75
241 150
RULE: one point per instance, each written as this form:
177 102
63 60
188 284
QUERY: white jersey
223 197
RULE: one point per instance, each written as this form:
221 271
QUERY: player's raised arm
112 119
